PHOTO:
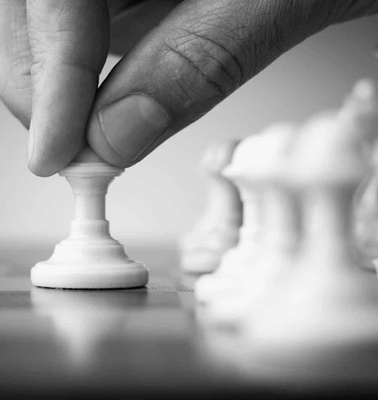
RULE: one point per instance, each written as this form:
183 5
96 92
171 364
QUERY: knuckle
15 82
253 33
15 79
15 60
259 33
65 31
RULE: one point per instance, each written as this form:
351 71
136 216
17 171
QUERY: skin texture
180 59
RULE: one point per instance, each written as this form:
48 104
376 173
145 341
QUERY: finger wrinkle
195 67
238 76
73 30
231 38
358 7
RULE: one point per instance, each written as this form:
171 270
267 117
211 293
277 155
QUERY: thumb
200 53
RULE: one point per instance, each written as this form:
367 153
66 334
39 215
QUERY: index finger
69 43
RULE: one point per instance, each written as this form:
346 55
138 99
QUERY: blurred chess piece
329 305
366 198
366 214
218 229
257 169
279 236
89 258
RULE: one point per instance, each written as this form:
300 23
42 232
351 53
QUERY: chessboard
144 343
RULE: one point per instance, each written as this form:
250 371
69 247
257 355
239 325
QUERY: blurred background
159 199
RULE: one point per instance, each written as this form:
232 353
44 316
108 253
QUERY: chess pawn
254 165
279 251
329 305
89 258
218 229
365 209
279 237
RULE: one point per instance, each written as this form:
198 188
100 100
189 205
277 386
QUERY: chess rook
89 258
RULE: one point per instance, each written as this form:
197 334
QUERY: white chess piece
279 239
365 209
89 258
366 214
255 165
329 305
218 229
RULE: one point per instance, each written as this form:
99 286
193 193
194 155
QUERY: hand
52 52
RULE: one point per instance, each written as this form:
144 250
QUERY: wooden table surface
139 344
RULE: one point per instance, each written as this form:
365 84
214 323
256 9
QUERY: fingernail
132 124
30 142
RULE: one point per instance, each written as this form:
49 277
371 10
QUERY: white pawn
366 214
279 238
89 258
256 163
329 306
218 229
366 203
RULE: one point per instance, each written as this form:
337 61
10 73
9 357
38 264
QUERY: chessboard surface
141 343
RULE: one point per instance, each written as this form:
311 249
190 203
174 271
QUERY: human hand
51 54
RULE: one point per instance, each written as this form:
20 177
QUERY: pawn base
200 262
127 275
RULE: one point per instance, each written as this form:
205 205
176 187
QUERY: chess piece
366 202
279 239
255 165
89 258
218 229
366 214
329 305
